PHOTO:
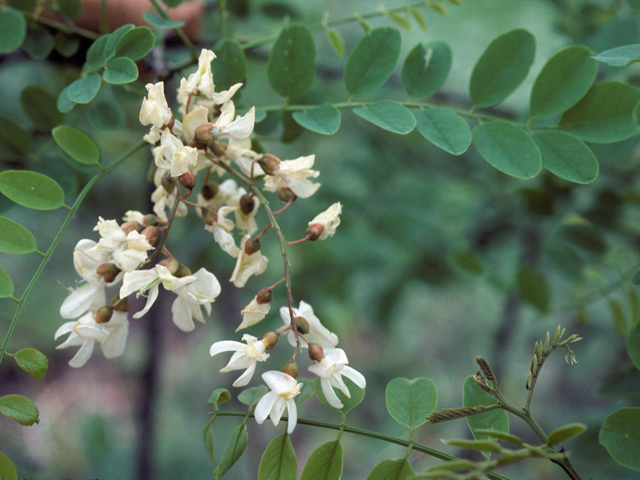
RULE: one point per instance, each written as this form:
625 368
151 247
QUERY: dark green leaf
40 107
72 9
624 383
478 445
335 41
584 237
83 90
426 68
114 39
66 45
620 435
64 104
566 432
292 62
6 285
251 396
306 391
279 460
172 3
24 5
31 189
502 67
120 70
13 29
620 56
230 65
567 156
604 115
15 141
96 55
32 361
38 43
618 316
7 468
159 22
20 409
324 119
357 394
409 402
207 437
219 395
563 81
136 43
76 144
106 116
324 463
234 450
389 115
14 238
633 345
533 287
392 469
372 61
292 129
466 260
508 148
444 128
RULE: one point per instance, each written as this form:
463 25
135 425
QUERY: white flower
244 357
318 333
83 333
128 250
154 108
330 370
201 292
164 200
118 328
253 313
329 219
192 120
294 174
239 152
201 81
283 390
247 265
174 156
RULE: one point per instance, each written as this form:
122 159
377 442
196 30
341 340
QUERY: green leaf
38 42
466 260
159 22
392 469
567 156
219 395
372 61
172 3
604 115
566 432
64 104
83 90
72 9
96 55
6 285
418 17
503 437
120 70
230 65
620 435
207 437
620 56
14 238
502 67
31 189
497 419
15 141
444 128
409 402
478 445
357 395
324 119
624 383
234 450
306 391
106 116
426 68
251 396
292 62
114 38
66 45
618 316
633 345
335 41
324 463
562 82
566 260
508 148
7 468
13 29
20 409
278 461
135 44
583 236
533 287
76 144
24 5
32 361
40 107
400 20
389 115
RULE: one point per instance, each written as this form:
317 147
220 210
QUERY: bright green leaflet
306 391
508 148
324 463
478 445
32 361
502 68
85 89
230 65
335 41
234 450
7 468
106 116
409 402
76 144
252 395
114 39
392 469
219 395
96 55
19 408
38 43
620 56
159 22
292 62
357 395
14 238
620 435
324 119
389 115
372 61
567 156
278 461
207 437
40 107
633 345
533 288
565 432
13 29
31 189
136 43
6 285
563 81
15 141
64 104
426 68
120 70
503 437
444 128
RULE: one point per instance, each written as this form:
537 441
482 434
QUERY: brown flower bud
269 163
269 340
183 271
316 352
128 227
171 264
203 134
121 304
209 215
265 295
210 189
150 220
291 369
302 325
286 195
169 184
247 203
218 149
314 231
103 315
187 180
151 234
108 271
252 246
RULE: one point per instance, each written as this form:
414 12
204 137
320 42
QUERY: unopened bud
151 234
265 295
269 163
209 215
286 195
150 220
108 271
316 352
247 203
302 325
314 231
210 189
203 134
103 315
171 264
219 149
252 246
183 271
187 180
269 340
169 184
121 304
128 227
291 369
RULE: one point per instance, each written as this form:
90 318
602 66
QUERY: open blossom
247 265
331 369
253 313
163 200
283 390
318 333
221 232
173 155
128 250
201 81
245 357
294 174
329 219
155 110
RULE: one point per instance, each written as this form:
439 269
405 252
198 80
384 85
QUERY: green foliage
13 29
230 65
444 128
633 344
207 437
502 436
120 70
533 287
392 469
38 42
31 189
234 450
324 463
335 41
14 238
40 107
162 23
218 396
135 44
70 9
20 409
251 396
426 68
620 56
84 89
567 156
388 115
32 361
15 141
324 119
76 144
566 432
7 468
409 402
106 116
478 445
278 461
292 62
620 435
306 391
6 285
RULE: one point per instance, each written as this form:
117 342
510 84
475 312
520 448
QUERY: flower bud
203 134
218 149
187 180
286 195
291 369
169 184
171 264
151 234
247 203
314 231
269 163
121 304
265 295
108 271
302 325
209 215
252 246
210 189
316 352
269 340
128 227
183 271
103 315
150 220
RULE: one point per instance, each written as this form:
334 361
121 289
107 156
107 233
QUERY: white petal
278 382
182 315
329 394
153 295
83 354
263 408
246 376
63 329
277 410
355 376
226 346
292 413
